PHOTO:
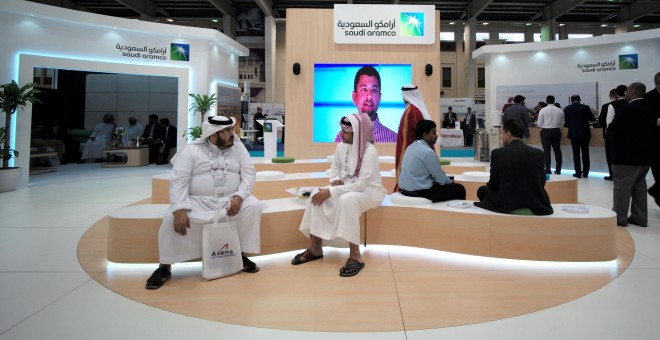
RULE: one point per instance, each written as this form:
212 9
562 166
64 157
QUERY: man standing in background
631 134
469 126
577 117
551 119
653 99
415 112
519 112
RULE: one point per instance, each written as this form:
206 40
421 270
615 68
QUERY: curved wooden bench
133 230
561 189
563 236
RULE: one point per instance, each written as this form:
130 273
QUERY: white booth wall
53 37
561 62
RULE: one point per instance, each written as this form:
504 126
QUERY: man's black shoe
158 278
635 223
249 266
576 175
607 178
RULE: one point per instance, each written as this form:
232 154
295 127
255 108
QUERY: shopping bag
221 250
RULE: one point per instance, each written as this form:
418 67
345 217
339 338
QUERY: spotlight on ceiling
169 20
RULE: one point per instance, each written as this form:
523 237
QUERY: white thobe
192 188
102 134
338 218
132 132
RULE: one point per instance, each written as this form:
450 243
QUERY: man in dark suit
652 98
631 133
517 176
469 126
169 139
152 137
449 119
577 118
607 113
603 124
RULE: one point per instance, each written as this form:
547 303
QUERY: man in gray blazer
519 112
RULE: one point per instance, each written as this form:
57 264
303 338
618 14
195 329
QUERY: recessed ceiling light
603 25
214 20
528 24
452 23
562 24
637 25
170 20
485 23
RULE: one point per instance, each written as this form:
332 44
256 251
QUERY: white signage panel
384 24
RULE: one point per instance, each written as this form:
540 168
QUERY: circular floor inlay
399 289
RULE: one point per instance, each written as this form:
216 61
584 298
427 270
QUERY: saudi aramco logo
223 252
628 61
412 24
180 52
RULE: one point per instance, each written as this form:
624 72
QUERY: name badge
220 191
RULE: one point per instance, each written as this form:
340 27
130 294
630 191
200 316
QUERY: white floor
45 294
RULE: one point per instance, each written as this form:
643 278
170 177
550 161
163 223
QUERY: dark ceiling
645 13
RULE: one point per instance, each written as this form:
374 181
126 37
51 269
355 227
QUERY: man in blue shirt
421 173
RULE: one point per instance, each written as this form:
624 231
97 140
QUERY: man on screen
366 97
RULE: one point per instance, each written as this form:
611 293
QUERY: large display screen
335 97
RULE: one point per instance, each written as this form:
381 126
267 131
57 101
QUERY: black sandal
305 257
351 269
158 278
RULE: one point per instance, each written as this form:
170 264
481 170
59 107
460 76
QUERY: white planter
9 179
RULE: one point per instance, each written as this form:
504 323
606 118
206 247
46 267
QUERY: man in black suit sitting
517 176
169 139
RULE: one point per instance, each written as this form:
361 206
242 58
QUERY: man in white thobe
133 131
98 140
207 173
333 212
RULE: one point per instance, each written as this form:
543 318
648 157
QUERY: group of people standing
154 135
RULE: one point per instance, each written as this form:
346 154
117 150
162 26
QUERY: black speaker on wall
296 68
428 70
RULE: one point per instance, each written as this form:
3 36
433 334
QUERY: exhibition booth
56 38
589 67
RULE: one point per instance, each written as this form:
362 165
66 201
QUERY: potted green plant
202 103
193 132
11 98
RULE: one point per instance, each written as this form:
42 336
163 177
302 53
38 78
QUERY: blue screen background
333 87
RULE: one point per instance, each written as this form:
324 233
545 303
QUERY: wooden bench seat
386 164
561 189
563 236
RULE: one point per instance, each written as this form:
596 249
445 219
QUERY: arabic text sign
384 24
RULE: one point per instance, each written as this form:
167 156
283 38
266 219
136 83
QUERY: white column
270 53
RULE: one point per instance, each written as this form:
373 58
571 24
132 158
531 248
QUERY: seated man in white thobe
98 140
134 130
333 212
205 173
